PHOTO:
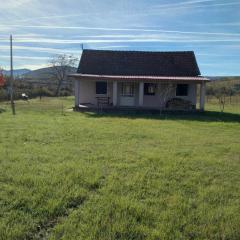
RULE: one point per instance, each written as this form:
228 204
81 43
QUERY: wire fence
62 105
228 99
59 105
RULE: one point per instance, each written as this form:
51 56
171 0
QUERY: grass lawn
68 175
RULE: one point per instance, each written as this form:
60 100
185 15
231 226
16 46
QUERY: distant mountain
42 81
224 78
17 72
44 73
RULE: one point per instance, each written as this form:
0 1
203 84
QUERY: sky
44 28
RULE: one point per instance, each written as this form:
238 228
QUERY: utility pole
11 90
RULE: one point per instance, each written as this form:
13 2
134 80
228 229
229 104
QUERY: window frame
97 82
132 89
146 89
187 90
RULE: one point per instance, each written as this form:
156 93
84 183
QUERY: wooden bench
102 101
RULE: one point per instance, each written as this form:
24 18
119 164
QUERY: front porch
147 95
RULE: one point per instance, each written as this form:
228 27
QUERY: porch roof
196 79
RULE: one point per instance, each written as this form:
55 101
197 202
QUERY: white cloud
220 24
217 55
165 36
113 46
194 4
11 4
121 29
32 66
25 57
41 49
52 17
178 4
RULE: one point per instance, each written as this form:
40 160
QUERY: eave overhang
197 79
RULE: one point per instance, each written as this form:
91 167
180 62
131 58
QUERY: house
137 79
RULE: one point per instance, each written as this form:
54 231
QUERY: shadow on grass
2 110
207 116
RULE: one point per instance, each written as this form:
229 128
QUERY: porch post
77 92
141 86
115 93
202 95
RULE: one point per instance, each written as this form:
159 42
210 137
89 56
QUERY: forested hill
17 72
44 73
225 78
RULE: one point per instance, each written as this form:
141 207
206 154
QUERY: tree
221 92
2 80
61 67
167 89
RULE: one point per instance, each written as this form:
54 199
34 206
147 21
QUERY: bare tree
61 66
221 93
222 101
166 93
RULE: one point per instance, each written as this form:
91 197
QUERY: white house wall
164 92
87 92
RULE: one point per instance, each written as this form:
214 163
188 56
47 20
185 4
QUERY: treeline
50 81
34 88
223 88
229 87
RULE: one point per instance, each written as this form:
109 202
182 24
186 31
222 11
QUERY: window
149 89
101 87
182 90
127 89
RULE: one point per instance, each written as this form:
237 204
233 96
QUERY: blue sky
43 28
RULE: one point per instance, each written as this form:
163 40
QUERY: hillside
17 72
225 78
44 73
41 82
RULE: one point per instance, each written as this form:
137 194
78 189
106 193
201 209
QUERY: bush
3 94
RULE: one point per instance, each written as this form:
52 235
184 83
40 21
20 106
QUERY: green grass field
69 175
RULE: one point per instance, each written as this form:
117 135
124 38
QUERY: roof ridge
137 51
